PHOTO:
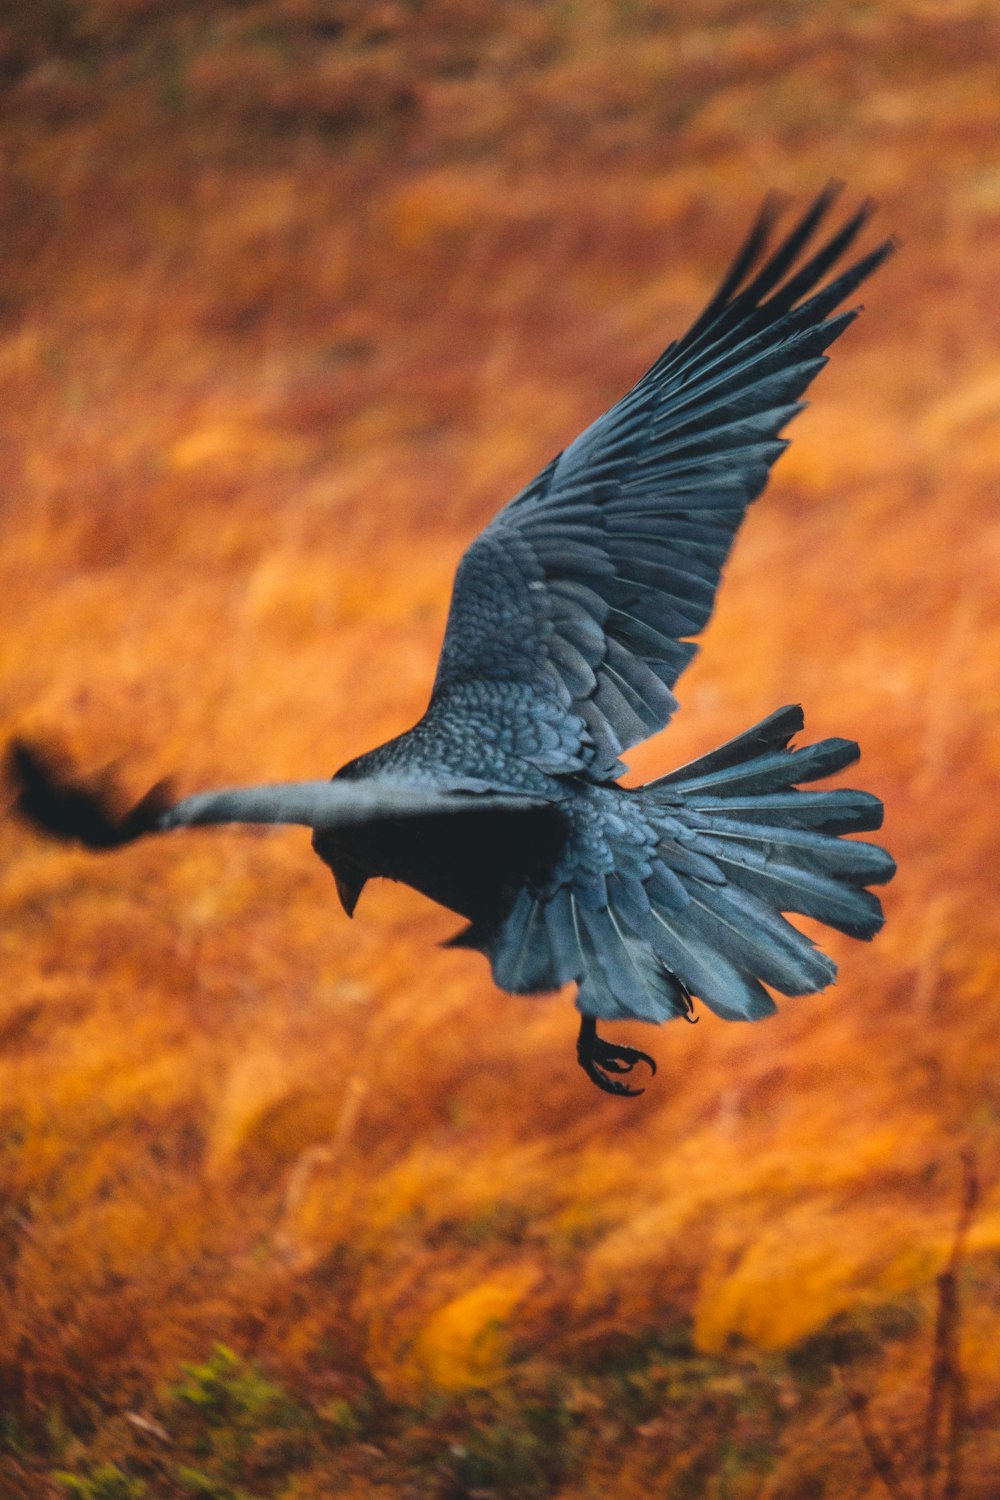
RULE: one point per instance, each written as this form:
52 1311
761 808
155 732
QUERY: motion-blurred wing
584 589
55 797
340 804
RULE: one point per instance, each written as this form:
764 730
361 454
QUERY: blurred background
295 293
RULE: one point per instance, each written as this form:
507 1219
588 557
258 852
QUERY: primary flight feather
569 626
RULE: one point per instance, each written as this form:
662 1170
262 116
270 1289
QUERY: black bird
569 626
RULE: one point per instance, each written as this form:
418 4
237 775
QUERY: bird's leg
598 1058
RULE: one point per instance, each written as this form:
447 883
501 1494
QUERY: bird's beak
350 884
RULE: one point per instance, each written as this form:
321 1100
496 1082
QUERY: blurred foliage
296 293
105 1482
229 1432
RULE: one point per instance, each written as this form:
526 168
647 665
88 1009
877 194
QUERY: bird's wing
89 809
329 805
585 588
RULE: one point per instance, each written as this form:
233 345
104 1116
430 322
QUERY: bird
572 617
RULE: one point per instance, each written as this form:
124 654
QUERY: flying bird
571 620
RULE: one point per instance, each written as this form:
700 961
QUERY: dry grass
294 296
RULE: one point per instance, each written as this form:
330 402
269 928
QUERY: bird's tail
685 889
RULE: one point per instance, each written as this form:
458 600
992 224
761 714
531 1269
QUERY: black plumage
568 629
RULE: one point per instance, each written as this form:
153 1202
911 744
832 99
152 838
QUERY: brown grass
295 295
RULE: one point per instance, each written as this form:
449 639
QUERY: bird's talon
614 1065
600 1058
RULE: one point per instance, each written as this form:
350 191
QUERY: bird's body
568 629
466 862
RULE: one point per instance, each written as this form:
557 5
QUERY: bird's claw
599 1058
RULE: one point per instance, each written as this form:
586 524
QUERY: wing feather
591 581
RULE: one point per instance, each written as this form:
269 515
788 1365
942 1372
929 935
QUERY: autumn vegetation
295 293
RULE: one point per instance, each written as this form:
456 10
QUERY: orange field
295 294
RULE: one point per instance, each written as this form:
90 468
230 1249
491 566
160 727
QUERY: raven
570 623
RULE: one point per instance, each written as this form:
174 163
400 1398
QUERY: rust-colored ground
294 295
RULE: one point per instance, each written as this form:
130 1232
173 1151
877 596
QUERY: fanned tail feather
679 888
775 849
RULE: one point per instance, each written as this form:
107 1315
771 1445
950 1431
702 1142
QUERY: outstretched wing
585 588
53 795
